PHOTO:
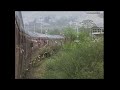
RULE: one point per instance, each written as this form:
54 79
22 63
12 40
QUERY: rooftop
34 34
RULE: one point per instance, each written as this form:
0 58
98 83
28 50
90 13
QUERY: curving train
26 43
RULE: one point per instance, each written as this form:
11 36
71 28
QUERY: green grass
83 60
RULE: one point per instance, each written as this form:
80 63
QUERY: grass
83 60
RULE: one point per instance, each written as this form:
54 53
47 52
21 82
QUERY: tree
88 23
70 33
46 19
100 15
54 32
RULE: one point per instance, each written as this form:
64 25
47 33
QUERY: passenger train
26 43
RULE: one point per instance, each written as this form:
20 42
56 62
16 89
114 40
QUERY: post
34 27
77 29
91 33
77 32
41 25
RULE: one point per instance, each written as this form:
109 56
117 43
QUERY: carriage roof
44 36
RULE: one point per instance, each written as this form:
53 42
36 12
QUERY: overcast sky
93 15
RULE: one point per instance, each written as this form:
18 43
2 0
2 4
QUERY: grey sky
31 15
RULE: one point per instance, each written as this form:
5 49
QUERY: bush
70 34
82 60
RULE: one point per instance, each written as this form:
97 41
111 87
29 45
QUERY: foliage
54 32
82 60
70 33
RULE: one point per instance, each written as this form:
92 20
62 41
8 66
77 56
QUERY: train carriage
22 46
26 43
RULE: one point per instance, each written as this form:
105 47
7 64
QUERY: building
97 31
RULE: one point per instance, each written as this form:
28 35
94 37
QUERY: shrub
82 60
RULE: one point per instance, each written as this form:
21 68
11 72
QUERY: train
27 43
